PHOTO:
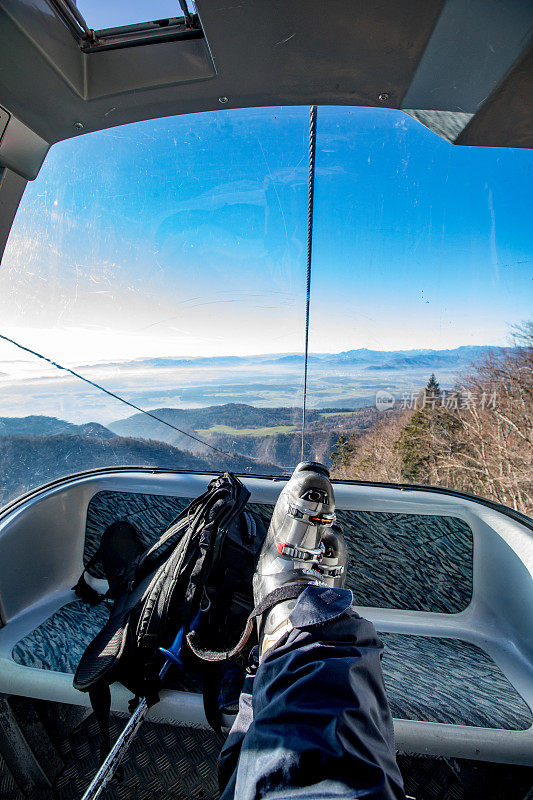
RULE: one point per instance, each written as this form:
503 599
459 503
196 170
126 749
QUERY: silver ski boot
303 545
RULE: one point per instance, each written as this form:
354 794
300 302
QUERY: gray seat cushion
429 679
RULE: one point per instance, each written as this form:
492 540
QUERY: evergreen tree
433 387
415 443
413 446
341 452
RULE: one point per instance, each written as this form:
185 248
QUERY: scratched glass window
164 262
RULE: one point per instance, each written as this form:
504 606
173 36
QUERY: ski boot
304 545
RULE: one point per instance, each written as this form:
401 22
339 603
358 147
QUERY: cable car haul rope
117 396
310 204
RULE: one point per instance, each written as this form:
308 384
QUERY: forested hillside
235 415
476 438
268 434
29 461
50 426
37 449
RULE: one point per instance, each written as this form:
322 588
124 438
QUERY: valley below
238 413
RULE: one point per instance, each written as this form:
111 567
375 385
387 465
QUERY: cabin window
165 261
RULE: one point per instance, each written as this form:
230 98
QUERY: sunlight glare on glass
101 14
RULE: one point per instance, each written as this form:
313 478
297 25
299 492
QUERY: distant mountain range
349 379
368 359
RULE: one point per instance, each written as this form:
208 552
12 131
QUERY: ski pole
117 752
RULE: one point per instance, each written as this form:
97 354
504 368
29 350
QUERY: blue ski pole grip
173 652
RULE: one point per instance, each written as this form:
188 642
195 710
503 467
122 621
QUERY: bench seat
446 580
430 679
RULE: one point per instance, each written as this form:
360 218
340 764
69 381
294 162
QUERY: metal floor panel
167 762
164 761
180 762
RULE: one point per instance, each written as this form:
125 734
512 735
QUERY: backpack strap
211 680
221 684
85 592
288 592
100 697
120 546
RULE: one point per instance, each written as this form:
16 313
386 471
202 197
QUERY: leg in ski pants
314 721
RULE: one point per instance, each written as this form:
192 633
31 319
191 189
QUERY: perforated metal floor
170 763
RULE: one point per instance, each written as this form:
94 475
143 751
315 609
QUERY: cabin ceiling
464 69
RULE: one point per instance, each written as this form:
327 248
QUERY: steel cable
121 399
310 204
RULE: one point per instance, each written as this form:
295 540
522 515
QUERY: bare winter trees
492 449
476 438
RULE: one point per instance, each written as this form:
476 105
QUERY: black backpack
198 575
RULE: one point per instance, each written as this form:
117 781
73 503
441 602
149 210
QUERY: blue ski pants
314 721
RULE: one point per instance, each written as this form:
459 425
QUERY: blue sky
114 13
431 242
186 236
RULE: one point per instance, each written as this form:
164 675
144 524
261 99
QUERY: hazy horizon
36 365
266 380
